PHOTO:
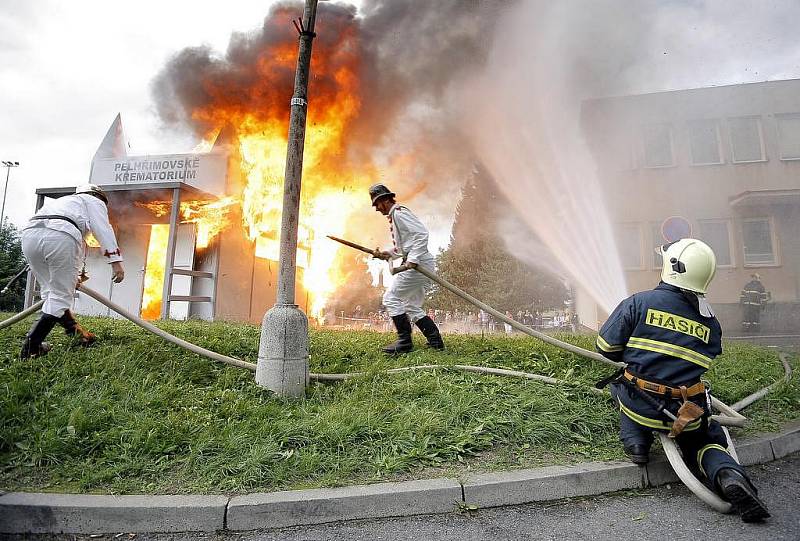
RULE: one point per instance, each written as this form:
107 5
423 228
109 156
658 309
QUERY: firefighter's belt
687 413
665 390
56 217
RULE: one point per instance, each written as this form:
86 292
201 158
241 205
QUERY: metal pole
5 190
283 351
8 165
294 161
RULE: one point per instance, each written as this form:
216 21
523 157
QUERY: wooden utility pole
283 351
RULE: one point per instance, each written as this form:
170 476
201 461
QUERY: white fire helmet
688 264
92 189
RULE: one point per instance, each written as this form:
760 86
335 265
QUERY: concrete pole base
283 351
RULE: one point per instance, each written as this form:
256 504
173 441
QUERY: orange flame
210 217
245 96
91 241
154 271
332 190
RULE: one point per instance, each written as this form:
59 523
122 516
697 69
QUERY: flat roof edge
61 190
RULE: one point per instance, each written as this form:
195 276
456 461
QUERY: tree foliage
478 262
11 262
486 270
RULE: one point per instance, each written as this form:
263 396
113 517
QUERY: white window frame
778 116
773 237
729 227
656 242
638 228
760 138
673 161
719 142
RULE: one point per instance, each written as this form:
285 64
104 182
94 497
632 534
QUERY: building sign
206 172
676 228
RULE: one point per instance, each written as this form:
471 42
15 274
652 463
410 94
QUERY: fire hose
21 315
731 417
670 448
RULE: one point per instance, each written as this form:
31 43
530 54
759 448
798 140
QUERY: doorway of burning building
151 290
133 241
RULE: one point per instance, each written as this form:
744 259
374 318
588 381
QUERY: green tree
477 261
486 270
11 262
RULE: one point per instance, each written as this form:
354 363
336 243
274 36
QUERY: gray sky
67 68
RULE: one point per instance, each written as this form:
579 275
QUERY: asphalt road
670 512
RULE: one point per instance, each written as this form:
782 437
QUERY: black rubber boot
638 453
738 490
403 344
34 344
431 332
71 326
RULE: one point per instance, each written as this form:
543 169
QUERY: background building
721 164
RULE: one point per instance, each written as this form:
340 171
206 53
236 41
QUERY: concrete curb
87 513
91 514
298 507
551 483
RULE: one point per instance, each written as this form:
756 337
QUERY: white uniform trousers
55 260
407 293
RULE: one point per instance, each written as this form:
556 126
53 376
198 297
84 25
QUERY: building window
758 241
658 241
747 139
704 142
789 136
717 234
657 141
630 246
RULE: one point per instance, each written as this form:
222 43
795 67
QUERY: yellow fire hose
731 417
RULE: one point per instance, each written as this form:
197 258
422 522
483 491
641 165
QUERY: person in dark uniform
753 298
668 338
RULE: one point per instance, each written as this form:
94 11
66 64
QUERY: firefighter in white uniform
53 244
403 299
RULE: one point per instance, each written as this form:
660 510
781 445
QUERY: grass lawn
135 414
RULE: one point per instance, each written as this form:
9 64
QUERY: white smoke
522 112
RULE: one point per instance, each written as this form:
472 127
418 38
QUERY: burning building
200 231
174 217
378 112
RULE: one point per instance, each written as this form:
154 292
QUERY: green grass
137 415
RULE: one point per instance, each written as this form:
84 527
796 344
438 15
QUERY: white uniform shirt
89 213
409 235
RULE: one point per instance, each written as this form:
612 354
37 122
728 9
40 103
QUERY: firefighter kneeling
668 337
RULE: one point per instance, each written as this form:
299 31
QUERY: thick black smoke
409 53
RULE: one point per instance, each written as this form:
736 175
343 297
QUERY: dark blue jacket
662 336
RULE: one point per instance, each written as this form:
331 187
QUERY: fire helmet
688 264
94 190
376 191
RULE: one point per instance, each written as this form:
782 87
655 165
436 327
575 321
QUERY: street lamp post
283 350
8 166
